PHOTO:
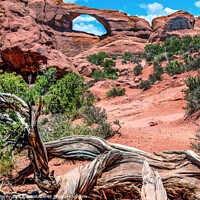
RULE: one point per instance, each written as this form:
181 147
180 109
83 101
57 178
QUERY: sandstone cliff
40 32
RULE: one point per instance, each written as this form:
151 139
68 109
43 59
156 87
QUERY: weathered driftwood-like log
78 148
116 170
30 139
152 188
123 177
179 170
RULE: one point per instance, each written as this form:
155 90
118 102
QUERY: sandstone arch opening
90 24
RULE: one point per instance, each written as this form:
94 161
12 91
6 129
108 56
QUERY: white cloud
197 4
155 10
89 28
169 11
84 19
69 1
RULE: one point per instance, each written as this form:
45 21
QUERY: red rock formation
24 63
44 28
179 24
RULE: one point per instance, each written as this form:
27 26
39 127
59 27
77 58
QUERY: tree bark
152 188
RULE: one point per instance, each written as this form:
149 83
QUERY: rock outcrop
179 24
40 32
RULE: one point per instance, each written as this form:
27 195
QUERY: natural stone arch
98 18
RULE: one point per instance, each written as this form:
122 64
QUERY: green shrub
114 57
195 142
192 94
172 46
98 76
108 63
175 67
15 84
90 84
45 81
66 95
160 57
136 59
138 70
10 131
126 57
115 92
97 59
145 85
157 74
94 115
109 68
60 126
109 71
193 64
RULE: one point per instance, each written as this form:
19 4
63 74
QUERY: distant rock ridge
43 29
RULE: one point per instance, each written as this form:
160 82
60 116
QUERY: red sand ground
162 104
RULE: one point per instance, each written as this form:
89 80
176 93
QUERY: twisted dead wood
116 170
152 188
30 139
122 177
181 167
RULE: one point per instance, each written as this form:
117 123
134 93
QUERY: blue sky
146 9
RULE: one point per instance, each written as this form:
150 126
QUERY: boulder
179 24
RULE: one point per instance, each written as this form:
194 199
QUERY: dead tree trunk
31 140
152 188
116 170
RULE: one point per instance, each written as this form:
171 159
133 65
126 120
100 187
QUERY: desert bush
114 57
108 63
15 84
193 64
138 70
94 115
160 57
59 126
97 59
45 81
173 46
157 74
8 131
145 85
175 67
90 84
195 142
126 58
115 92
67 94
136 59
109 71
98 76
109 68
152 50
192 94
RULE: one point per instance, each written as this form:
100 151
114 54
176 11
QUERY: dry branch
116 170
180 167
152 188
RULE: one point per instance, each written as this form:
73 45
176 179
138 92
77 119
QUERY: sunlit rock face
42 30
179 24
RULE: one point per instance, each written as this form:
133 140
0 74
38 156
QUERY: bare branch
38 110
16 98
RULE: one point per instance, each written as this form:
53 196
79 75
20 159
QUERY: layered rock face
179 24
42 30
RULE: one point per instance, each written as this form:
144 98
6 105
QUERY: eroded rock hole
88 24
